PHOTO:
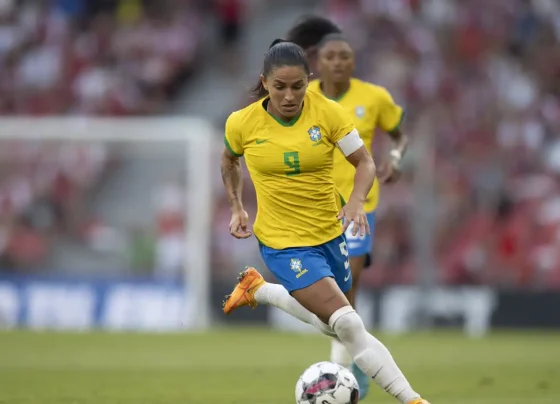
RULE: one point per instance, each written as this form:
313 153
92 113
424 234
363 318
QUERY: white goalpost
197 138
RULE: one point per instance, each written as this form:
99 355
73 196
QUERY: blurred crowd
87 57
94 57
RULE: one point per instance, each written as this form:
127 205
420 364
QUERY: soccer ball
327 383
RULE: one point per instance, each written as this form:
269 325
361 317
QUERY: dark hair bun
277 41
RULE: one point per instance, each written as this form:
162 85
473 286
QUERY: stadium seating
59 58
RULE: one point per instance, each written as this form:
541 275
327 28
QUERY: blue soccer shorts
361 245
300 267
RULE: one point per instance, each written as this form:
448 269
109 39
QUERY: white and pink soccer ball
327 383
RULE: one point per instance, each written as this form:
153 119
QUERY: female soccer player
288 138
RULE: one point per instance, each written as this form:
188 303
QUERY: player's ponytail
280 53
259 91
276 42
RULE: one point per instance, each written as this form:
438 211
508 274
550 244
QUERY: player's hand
353 212
238 224
390 171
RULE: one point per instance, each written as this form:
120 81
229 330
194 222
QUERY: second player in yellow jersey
372 107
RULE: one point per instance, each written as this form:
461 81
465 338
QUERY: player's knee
346 323
351 331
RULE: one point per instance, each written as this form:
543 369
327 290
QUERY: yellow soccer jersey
372 107
291 167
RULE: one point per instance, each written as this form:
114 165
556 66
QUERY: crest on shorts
315 134
295 264
360 111
297 267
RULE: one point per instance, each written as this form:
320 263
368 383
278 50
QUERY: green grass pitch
255 366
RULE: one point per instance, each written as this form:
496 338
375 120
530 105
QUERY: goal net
105 223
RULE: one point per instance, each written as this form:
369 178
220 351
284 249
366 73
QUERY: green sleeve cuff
228 146
401 119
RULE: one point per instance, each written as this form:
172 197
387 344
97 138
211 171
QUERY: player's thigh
322 298
296 268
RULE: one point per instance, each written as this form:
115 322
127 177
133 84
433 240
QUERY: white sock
276 295
339 354
371 355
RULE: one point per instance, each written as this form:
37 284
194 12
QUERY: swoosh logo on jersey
261 141
346 279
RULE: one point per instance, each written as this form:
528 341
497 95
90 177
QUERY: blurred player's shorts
361 245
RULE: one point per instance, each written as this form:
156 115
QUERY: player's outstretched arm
232 178
390 120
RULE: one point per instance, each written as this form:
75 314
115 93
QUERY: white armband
350 143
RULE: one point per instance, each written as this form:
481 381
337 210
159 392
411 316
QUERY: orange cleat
419 401
244 292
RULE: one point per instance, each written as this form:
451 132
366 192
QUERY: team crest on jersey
296 266
360 111
315 134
